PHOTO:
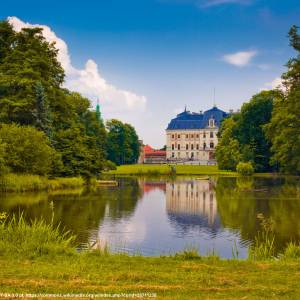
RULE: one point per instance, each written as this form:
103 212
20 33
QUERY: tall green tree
255 147
27 58
43 120
228 149
283 130
122 143
242 137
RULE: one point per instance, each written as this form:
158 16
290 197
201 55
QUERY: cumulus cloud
240 59
274 84
88 81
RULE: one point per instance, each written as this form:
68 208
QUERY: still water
163 216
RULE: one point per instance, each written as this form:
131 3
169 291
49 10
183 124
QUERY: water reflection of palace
193 202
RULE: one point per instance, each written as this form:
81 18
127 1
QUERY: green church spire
98 112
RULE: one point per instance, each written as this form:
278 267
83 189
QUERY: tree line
266 131
44 127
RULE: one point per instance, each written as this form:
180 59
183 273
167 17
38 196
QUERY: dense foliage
267 130
31 94
245 168
284 129
242 136
26 149
123 143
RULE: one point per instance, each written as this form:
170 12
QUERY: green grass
166 170
37 258
26 182
32 240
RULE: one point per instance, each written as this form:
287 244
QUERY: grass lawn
140 169
169 278
36 258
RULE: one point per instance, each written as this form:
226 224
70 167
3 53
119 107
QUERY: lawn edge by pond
28 183
165 169
37 258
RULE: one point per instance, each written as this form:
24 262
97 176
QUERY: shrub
245 168
109 165
27 149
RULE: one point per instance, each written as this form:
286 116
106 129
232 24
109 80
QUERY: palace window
187 146
178 146
197 146
172 136
211 122
211 134
197 136
192 136
173 154
186 136
178 136
211 145
192 147
172 146
204 145
204 135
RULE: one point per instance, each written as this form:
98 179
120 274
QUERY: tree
3 166
27 150
42 114
116 141
122 143
242 135
26 58
132 145
228 149
283 131
255 147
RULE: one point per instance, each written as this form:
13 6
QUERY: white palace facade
192 137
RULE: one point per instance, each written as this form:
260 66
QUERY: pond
154 216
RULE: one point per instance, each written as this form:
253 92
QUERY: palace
192 137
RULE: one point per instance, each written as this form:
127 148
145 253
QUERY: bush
27 149
109 165
245 168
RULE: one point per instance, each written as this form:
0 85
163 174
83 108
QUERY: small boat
108 182
203 178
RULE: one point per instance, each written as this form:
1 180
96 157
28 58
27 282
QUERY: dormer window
211 122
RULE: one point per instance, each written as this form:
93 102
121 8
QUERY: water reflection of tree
79 212
278 199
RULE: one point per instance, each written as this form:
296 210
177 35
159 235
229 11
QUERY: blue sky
147 59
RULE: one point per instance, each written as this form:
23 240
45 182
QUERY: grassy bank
36 258
166 170
25 182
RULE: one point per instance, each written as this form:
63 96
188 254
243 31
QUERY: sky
145 60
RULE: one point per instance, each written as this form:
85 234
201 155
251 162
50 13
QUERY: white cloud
240 59
274 84
89 81
209 3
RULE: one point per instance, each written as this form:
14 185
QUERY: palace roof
191 120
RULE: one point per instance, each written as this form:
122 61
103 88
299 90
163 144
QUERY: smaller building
148 155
